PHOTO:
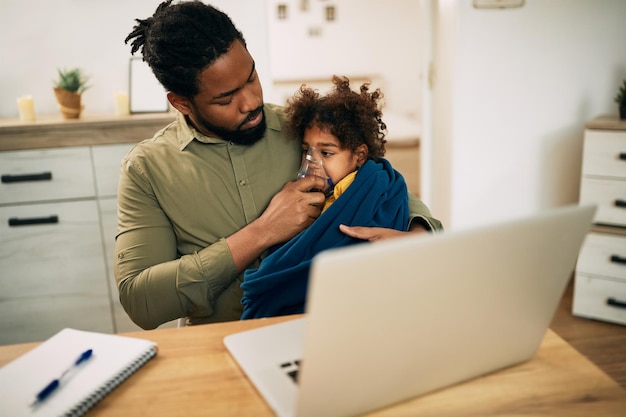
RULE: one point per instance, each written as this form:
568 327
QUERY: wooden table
194 375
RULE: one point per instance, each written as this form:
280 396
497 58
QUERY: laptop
395 319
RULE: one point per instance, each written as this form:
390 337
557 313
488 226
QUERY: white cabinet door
53 274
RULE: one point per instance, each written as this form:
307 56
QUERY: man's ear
180 103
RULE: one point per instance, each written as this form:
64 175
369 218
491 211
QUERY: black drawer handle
620 203
44 176
618 259
614 302
622 156
14 221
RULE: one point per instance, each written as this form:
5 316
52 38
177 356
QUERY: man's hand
291 210
373 234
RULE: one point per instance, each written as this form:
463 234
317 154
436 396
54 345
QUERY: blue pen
56 383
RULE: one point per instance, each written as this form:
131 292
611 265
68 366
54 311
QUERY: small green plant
620 98
72 80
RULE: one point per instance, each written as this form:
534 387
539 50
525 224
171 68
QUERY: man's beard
240 137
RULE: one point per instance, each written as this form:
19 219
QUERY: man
205 198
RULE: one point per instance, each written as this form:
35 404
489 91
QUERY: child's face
338 162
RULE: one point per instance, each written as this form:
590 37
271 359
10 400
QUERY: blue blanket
377 197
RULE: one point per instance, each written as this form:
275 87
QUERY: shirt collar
186 133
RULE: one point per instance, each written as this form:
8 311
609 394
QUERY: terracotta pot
69 103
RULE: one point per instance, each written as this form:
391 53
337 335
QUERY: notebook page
114 358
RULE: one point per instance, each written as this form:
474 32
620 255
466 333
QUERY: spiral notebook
113 360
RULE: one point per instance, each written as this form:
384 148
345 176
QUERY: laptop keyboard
291 369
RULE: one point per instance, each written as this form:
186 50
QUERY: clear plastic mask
312 164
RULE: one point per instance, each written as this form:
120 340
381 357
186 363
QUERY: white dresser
600 286
57 224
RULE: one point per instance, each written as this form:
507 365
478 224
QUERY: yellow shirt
339 189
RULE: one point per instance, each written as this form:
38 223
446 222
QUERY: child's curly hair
354 118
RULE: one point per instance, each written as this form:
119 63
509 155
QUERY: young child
342 136
339 132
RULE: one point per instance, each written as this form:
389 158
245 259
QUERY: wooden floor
603 343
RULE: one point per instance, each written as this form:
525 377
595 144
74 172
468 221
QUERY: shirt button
243 182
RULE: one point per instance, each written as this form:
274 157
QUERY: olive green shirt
180 195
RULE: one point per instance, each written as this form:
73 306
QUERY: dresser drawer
599 298
52 259
603 254
609 195
605 153
45 175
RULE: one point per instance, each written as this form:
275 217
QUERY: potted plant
620 99
68 89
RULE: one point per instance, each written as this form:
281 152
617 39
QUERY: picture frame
146 94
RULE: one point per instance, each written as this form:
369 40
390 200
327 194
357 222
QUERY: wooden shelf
53 131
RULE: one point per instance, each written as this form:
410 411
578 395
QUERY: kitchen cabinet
600 283
57 224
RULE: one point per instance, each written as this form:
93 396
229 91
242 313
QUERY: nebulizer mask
312 164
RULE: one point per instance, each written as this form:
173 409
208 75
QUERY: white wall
514 89
39 36
367 37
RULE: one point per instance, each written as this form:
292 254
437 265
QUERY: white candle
121 104
26 108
